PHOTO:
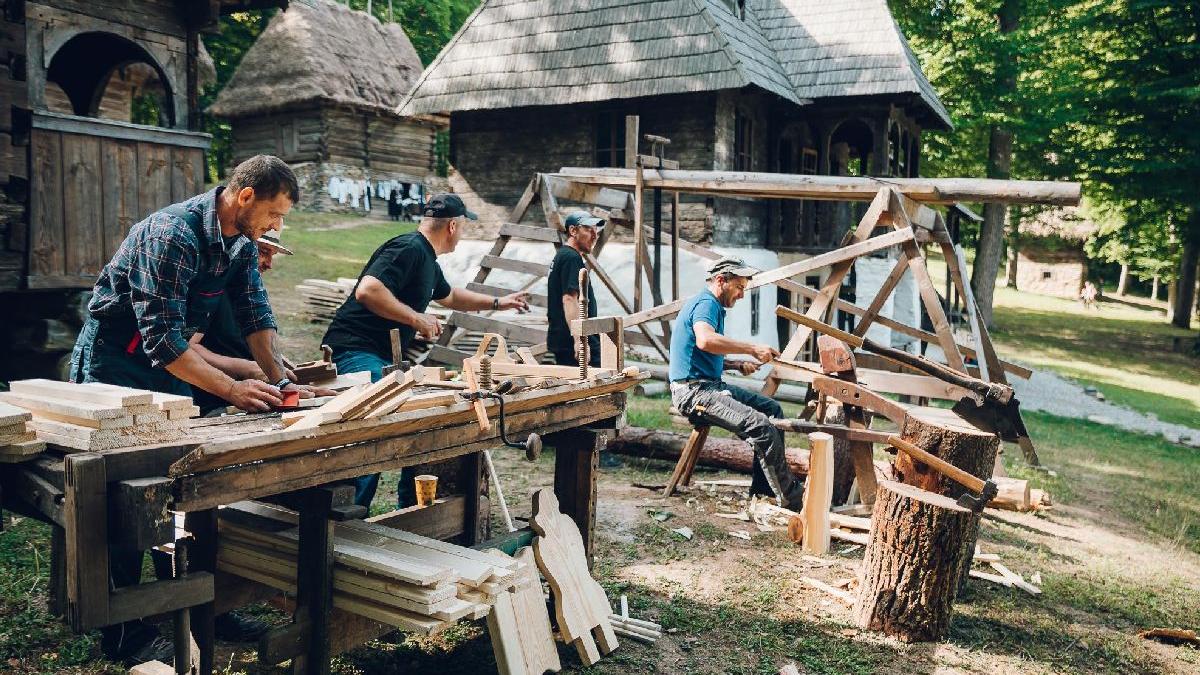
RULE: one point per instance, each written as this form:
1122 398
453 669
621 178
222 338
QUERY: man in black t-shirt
393 291
562 292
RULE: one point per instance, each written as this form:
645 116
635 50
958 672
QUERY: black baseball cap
585 219
447 205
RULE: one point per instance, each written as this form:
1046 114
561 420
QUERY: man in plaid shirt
156 298
158 293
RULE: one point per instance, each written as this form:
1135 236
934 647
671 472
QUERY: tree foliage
429 25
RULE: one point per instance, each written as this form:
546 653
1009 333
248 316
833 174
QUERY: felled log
719 453
913 563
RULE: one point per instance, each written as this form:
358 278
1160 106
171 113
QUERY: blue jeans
365 486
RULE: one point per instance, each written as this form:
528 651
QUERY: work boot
235 627
157 649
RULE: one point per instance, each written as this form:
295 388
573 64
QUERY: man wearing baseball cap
562 290
698 350
393 291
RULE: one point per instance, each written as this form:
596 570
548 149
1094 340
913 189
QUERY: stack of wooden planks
95 417
395 392
18 442
402 579
322 297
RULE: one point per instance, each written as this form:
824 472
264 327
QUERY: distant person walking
1088 295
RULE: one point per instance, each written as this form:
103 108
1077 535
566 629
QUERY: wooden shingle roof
836 48
318 50
516 53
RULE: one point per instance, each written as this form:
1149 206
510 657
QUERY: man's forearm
193 369
238 369
724 346
386 305
262 345
462 300
570 303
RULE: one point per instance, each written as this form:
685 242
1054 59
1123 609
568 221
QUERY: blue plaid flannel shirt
154 266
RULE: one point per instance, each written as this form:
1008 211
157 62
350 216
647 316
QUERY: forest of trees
1102 91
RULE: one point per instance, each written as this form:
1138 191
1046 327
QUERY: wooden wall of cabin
293 136
14 160
90 190
496 152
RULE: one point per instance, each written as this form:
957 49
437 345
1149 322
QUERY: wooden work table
125 498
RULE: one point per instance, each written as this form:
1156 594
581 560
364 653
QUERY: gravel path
1048 392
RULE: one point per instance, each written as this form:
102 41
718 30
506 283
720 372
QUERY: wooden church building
319 89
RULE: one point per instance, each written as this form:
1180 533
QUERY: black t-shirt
224 335
563 279
407 266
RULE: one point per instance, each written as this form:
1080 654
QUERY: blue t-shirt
687 361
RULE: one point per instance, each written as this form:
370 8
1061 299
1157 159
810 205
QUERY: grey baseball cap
730 265
584 218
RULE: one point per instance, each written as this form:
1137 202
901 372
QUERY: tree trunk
1123 280
1172 291
1185 285
1014 248
913 563
1154 288
999 165
719 453
944 434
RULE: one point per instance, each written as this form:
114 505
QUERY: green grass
326 246
1123 348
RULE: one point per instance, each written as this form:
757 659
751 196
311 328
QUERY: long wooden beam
799 267
838 188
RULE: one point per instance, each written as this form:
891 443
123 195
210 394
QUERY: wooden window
610 138
743 142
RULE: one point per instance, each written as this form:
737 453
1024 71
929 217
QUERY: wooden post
576 460
472 465
913 563
675 246
85 517
314 582
202 557
818 493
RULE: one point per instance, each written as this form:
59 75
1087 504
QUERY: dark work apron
109 349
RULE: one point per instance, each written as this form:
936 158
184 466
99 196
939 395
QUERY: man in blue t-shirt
698 350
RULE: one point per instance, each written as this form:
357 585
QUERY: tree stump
942 433
913 563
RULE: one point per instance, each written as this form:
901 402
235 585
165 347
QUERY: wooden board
519 625
580 604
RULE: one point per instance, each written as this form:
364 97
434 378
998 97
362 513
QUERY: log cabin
319 89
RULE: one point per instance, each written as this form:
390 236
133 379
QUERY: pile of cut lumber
322 298
18 442
399 578
395 392
94 417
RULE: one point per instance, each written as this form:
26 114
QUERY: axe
987 489
989 406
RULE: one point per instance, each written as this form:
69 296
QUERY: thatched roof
320 51
514 53
1066 223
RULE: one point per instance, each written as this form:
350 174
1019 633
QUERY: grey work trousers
746 414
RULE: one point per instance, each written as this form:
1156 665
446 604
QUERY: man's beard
244 227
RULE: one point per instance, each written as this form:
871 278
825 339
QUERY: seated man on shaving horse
698 350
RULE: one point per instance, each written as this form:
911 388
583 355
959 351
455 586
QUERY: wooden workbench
125 498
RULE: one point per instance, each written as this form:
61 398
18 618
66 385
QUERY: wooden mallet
987 489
